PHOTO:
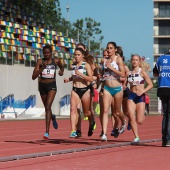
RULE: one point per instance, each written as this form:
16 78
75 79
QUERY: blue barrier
64 100
9 101
29 102
6 102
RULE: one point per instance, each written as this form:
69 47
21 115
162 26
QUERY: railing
65 100
29 102
161 50
164 14
65 105
6 102
28 56
10 102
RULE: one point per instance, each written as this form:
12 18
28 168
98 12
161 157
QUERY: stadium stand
21 38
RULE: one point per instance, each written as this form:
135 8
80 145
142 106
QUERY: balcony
164 15
161 1
162 33
160 50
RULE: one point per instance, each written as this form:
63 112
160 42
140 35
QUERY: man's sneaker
129 126
168 143
123 128
136 139
79 133
163 143
92 127
115 132
73 134
104 137
55 124
46 135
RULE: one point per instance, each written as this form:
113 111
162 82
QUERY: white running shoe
136 139
123 128
104 137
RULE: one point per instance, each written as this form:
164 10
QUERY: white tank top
135 78
109 74
80 68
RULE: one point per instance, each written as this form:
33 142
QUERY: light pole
67 8
78 36
89 43
78 33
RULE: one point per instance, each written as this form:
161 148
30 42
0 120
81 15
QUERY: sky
129 23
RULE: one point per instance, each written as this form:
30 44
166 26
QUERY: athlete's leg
47 101
79 117
124 106
118 97
86 105
113 117
107 99
140 112
132 117
101 110
73 110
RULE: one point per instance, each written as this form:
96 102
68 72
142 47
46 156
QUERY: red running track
25 137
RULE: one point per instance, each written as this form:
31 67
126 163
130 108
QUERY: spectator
95 99
162 70
147 102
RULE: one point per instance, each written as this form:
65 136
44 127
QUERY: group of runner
113 78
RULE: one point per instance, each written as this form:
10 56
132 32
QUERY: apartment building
161 27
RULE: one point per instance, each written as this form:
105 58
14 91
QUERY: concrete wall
17 80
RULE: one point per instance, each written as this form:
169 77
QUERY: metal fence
9 101
28 56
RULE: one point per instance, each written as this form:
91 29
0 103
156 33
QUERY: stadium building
161 27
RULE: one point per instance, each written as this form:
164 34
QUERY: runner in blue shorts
136 98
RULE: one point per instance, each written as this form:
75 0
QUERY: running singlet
80 68
109 74
50 71
135 79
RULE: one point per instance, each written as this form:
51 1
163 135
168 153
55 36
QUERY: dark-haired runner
112 94
46 69
81 76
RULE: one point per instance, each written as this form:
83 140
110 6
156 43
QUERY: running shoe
46 135
136 139
73 134
104 137
55 124
123 128
115 132
86 118
92 127
129 126
112 133
95 126
79 133
101 134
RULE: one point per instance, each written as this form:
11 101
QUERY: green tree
43 11
86 31
49 13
